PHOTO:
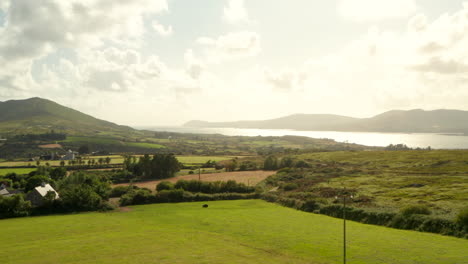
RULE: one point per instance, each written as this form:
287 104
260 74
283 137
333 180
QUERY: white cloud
233 45
34 28
235 12
368 10
423 66
163 31
286 80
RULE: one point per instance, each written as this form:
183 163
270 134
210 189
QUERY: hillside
37 115
412 121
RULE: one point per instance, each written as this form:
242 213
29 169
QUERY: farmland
16 170
227 232
246 177
118 159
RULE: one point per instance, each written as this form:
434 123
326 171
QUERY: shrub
164 185
121 190
310 205
140 196
462 219
415 209
290 186
80 198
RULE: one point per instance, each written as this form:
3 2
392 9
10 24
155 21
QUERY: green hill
37 115
412 121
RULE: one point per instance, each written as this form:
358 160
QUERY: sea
412 140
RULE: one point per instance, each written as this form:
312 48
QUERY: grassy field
250 231
118 159
16 170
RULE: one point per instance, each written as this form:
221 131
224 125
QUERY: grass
389 178
16 170
201 159
227 232
112 141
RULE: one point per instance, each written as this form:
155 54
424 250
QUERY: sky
165 62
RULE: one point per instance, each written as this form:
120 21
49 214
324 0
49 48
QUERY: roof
43 190
4 191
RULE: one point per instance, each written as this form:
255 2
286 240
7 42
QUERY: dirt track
247 177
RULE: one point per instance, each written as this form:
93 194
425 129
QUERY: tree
270 163
35 181
80 198
62 163
58 173
286 162
108 160
84 149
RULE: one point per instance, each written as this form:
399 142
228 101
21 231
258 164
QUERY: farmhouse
37 194
70 155
4 191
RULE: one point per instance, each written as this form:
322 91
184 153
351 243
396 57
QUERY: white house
37 194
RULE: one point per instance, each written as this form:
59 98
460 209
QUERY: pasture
116 159
245 231
16 170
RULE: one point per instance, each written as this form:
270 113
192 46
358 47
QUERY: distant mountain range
41 115
395 121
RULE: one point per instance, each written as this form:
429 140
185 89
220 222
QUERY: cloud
286 80
235 12
163 31
233 45
194 66
35 28
442 66
371 10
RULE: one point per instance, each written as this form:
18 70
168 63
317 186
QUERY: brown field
246 177
50 146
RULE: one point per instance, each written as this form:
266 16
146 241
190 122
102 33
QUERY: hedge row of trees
273 163
206 187
144 196
160 166
411 218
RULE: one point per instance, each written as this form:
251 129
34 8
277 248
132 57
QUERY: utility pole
344 197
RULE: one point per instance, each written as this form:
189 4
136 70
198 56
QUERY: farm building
4 191
37 194
71 155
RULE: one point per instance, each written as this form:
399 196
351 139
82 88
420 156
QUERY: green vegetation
226 232
4 172
421 190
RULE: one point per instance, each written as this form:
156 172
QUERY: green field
202 159
248 231
16 170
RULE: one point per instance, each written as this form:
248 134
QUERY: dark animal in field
205 206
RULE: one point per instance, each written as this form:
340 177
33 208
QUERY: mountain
412 121
40 115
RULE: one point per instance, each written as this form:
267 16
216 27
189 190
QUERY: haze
157 62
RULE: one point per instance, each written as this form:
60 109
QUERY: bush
310 206
80 198
121 190
140 196
164 185
290 186
462 219
415 209
14 206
